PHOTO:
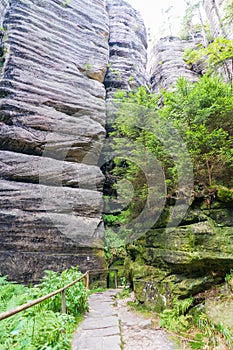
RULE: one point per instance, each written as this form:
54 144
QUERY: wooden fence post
115 274
63 302
86 281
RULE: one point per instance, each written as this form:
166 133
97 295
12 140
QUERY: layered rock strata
127 48
215 13
184 260
166 63
54 58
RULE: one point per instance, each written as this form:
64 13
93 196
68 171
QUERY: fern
42 326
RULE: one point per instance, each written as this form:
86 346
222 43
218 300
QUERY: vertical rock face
166 63
53 59
127 48
127 65
54 56
215 11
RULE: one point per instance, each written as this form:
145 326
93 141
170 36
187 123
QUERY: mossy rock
184 260
220 312
221 217
224 194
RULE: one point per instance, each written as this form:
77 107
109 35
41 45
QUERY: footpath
110 325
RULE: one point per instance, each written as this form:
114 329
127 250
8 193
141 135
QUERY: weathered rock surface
166 63
28 168
185 260
54 57
127 45
52 90
126 68
215 11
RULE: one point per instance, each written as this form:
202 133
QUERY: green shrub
43 326
176 319
224 194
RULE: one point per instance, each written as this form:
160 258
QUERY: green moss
224 194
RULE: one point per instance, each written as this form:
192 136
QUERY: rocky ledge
184 260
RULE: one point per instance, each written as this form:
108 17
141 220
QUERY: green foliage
190 132
76 298
229 276
177 319
112 220
202 113
114 246
43 326
228 14
124 293
66 3
189 29
199 331
216 54
88 66
224 194
211 335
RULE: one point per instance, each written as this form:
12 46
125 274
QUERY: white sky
155 17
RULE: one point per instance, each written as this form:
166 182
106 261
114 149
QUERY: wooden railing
85 277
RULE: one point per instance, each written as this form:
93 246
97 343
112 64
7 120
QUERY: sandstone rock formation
127 45
215 11
126 68
184 260
166 63
54 59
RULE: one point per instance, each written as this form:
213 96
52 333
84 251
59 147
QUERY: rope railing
85 277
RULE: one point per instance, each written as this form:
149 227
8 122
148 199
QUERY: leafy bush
194 326
76 297
199 113
43 326
224 194
176 318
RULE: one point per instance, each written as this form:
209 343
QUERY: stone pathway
138 333
100 328
110 325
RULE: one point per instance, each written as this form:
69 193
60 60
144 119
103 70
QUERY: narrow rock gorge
60 64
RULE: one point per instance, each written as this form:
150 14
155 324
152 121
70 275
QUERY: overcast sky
156 18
